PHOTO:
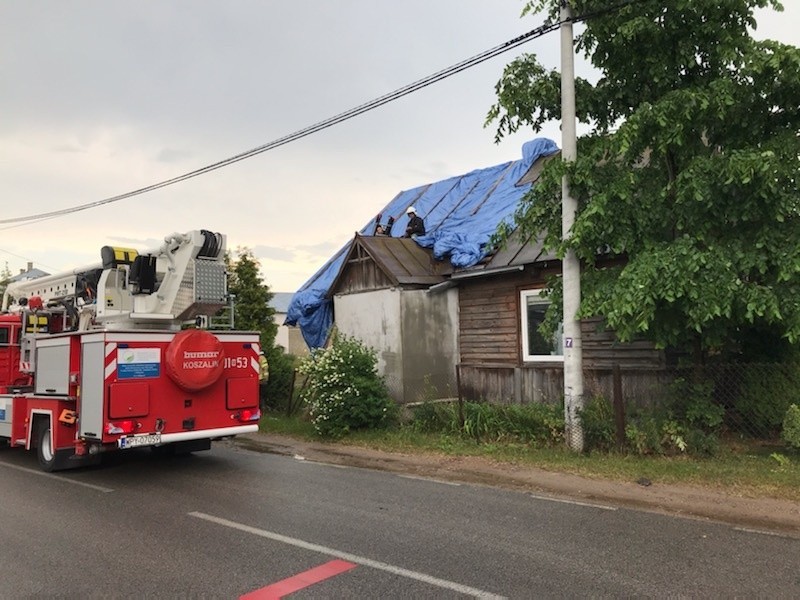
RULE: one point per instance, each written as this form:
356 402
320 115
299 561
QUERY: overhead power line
341 117
533 34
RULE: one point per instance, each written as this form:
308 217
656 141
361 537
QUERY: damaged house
447 315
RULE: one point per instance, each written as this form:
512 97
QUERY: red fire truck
111 356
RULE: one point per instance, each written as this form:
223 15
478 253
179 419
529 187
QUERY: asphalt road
231 523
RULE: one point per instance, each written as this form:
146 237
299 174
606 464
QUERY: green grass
747 469
293 426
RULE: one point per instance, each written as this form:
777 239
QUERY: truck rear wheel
50 459
44 450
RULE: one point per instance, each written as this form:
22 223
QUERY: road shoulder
683 500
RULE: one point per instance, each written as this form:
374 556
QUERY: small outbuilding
380 296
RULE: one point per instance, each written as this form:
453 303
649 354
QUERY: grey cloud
273 253
433 171
170 155
68 148
321 249
137 243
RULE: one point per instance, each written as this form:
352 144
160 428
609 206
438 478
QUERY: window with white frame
535 346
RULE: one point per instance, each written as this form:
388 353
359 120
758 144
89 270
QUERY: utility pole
571 269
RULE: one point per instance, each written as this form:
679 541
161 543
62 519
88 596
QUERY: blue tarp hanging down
460 214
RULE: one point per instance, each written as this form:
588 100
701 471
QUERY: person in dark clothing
416 226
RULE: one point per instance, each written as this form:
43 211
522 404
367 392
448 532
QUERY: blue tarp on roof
460 214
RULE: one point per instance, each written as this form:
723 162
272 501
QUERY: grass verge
746 469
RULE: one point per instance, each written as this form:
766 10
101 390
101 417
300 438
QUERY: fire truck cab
109 357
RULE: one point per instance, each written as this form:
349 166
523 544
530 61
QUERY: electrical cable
301 133
533 34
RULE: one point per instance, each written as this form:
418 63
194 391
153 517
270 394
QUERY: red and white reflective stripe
24 366
111 359
254 364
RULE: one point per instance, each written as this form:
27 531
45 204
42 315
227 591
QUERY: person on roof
416 226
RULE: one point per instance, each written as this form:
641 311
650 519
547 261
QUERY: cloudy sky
100 98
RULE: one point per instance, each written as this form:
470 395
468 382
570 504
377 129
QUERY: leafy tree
252 312
689 174
5 275
252 297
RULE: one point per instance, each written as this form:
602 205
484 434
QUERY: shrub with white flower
343 389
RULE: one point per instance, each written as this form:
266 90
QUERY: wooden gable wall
361 273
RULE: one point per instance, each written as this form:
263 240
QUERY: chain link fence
750 399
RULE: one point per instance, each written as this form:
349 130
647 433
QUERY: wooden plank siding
490 345
489 318
545 384
511 385
602 350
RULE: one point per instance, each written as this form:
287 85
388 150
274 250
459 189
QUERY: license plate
140 440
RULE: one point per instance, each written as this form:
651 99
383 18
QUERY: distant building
28 274
288 337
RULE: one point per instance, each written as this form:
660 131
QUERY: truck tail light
125 427
248 415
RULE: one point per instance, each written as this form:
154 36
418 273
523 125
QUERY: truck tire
44 449
50 459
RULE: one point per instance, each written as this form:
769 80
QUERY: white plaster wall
430 344
374 318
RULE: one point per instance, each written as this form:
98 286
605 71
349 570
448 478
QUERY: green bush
538 424
697 419
597 421
688 424
766 395
281 373
435 417
791 427
702 443
343 389
643 435
481 421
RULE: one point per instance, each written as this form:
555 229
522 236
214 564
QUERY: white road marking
575 502
442 481
764 532
91 486
323 464
277 537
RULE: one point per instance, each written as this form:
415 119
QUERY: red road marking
300 581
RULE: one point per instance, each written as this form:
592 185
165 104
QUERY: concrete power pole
571 274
